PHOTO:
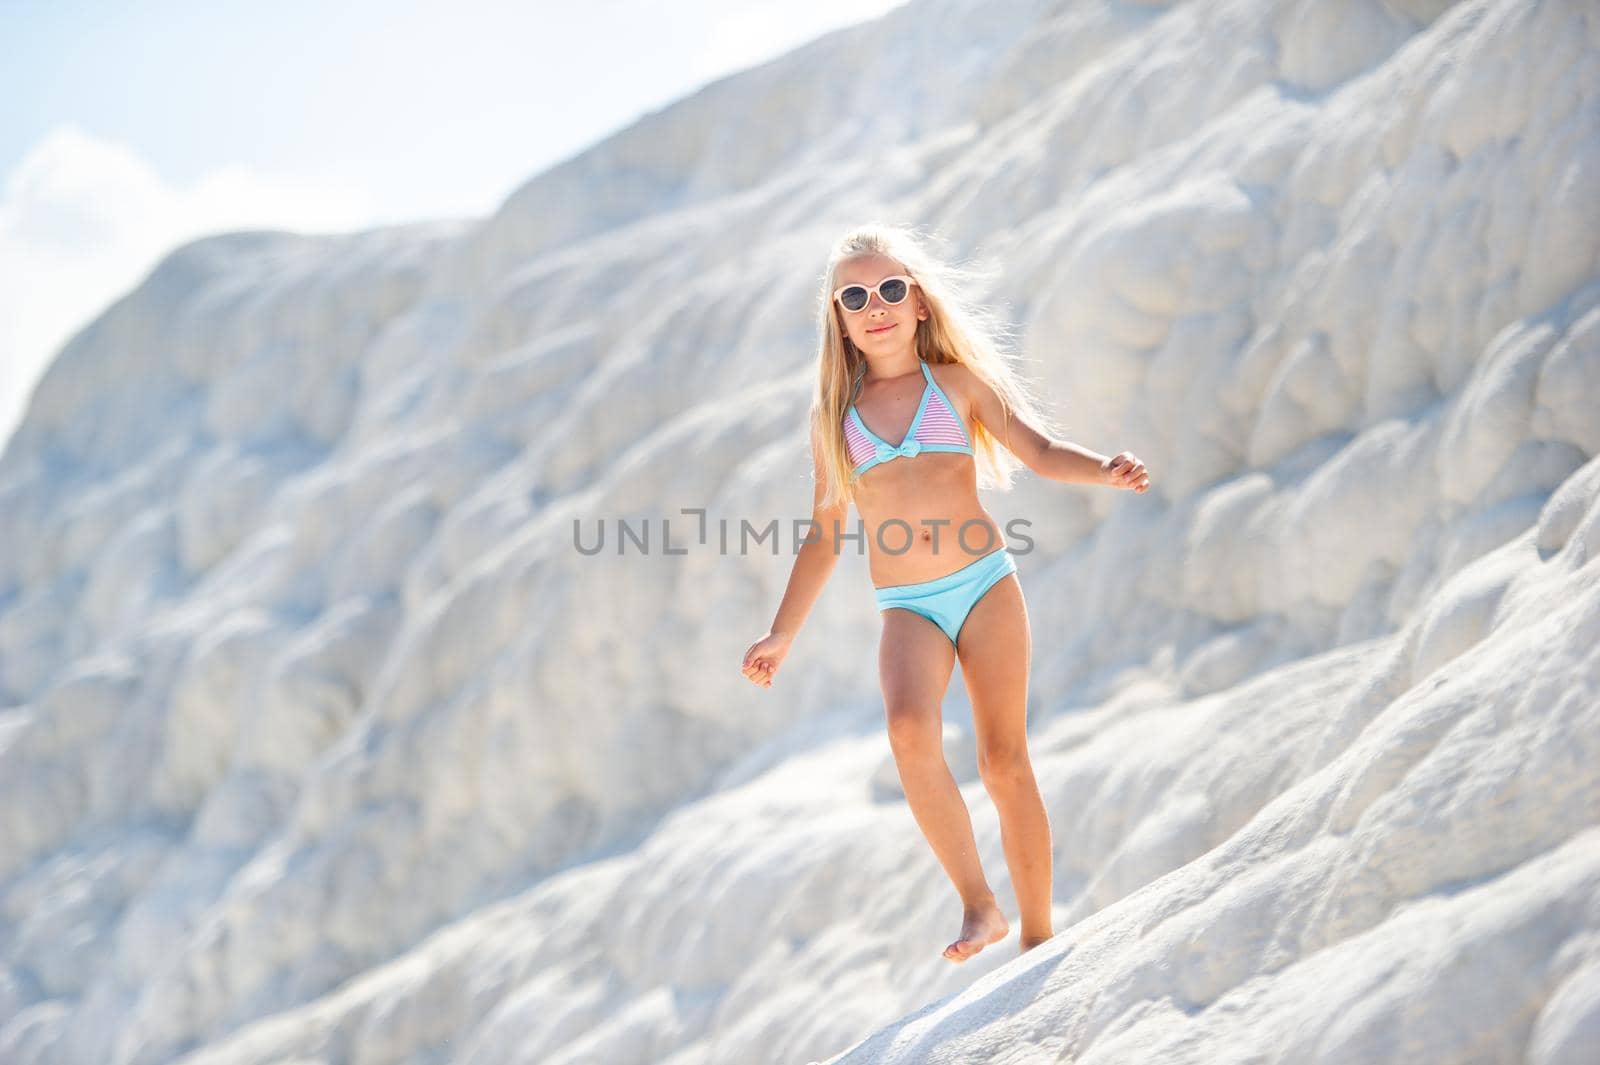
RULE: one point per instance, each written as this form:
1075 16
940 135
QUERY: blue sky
131 127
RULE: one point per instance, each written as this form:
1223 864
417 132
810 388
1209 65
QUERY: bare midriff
922 518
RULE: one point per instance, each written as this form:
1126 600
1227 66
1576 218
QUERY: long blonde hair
956 330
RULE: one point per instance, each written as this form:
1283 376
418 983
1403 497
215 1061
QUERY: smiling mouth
883 329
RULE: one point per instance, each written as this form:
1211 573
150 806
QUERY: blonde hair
956 330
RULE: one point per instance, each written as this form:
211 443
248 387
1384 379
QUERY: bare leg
915 659
995 647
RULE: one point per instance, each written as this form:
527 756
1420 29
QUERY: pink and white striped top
935 427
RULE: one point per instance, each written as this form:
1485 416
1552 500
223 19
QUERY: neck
887 366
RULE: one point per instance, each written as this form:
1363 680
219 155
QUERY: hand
761 661
1125 471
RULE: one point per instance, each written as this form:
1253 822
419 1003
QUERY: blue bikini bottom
947 600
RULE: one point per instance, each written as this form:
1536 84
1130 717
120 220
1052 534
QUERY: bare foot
980 926
1029 942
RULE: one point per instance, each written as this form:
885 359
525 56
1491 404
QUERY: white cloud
82 220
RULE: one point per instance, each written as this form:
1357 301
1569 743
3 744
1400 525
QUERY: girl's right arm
813 564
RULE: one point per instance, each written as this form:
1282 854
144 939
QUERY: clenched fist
761 661
1124 470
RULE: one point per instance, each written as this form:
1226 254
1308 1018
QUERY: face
879 326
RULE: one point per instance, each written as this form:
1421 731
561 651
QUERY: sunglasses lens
893 291
854 298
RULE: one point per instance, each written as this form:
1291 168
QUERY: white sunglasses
891 290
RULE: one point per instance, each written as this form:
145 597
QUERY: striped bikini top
935 427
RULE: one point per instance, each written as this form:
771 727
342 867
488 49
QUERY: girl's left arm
1059 460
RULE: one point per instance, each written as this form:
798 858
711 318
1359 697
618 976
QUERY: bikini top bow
906 449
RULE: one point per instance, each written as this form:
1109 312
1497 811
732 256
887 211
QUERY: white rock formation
321 742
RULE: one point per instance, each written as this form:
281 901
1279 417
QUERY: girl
912 394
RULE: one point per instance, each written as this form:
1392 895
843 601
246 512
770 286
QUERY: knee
1005 771
913 732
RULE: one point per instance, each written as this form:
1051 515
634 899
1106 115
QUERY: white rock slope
321 742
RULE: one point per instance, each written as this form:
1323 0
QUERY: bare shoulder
957 382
